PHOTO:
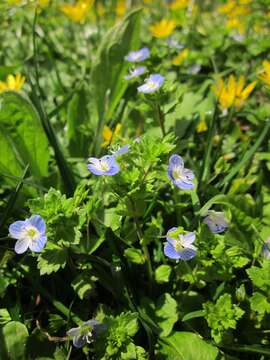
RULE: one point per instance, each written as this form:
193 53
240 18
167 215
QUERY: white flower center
177 173
30 233
178 246
102 165
152 85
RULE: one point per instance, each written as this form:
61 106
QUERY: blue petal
168 236
189 174
187 254
38 223
16 228
79 341
73 331
94 170
184 185
114 167
39 244
170 252
21 246
145 89
176 160
123 150
157 78
216 228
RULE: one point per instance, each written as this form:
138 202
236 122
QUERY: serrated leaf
52 259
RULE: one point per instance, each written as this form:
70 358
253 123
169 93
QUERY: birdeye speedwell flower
30 233
216 221
152 84
179 175
135 72
106 165
139 55
86 332
179 245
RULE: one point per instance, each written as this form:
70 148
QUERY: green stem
207 154
160 119
66 174
13 198
144 247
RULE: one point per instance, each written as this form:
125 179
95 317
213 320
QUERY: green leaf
260 276
222 316
259 303
193 315
186 346
83 284
163 313
109 68
4 317
76 122
22 139
135 256
162 273
52 258
13 337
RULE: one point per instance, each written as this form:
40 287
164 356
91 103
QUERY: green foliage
108 69
259 276
162 273
117 342
106 234
183 345
13 337
83 284
22 139
135 256
222 316
164 313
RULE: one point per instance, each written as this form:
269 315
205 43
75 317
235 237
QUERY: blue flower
106 165
179 246
172 43
30 233
179 175
152 84
266 249
139 55
86 332
135 72
194 69
122 150
216 221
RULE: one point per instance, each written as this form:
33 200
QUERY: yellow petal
248 89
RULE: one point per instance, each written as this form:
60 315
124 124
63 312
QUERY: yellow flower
163 28
179 4
121 8
232 94
100 9
12 83
202 126
178 59
78 11
236 24
43 3
265 76
109 136
227 8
